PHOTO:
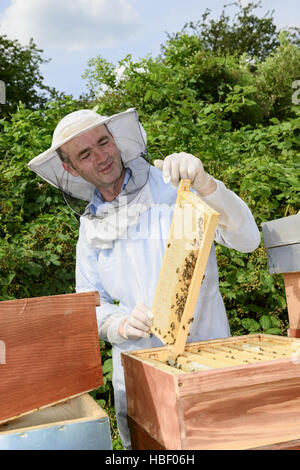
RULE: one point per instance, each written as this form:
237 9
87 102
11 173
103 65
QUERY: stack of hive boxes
49 360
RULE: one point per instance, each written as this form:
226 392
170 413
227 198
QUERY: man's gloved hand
137 324
183 165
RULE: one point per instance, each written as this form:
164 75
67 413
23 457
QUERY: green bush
234 113
38 231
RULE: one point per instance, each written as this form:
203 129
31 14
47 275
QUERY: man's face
96 158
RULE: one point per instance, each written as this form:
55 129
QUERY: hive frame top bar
223 353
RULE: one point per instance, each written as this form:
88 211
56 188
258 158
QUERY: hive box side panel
140 439
152 402
51 351
240 376
284 259
279 232
78 424
243 418
288 445
87 435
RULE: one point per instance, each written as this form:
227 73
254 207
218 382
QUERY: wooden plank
203 254
203 360
242 418
222 341
259 352
293 333
284 231
163 366
140 439
52 351
284 259
280 340
292 292
216 354
288 445
152 400
269 352
76 410
282 350
242 355
241 375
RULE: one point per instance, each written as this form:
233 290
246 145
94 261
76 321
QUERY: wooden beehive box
49 351
282 242
234 393
77 424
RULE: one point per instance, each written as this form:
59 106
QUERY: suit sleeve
237 228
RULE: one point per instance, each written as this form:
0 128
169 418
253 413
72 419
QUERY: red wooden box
235 393
49 351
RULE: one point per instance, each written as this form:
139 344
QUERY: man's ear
69 169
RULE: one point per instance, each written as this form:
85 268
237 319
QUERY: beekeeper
125 227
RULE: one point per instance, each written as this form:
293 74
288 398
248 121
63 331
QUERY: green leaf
255 308
265 322
101 402
107 366
273 331
250 324
275 321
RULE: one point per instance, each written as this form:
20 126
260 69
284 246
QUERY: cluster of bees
187 274
186 277
185 281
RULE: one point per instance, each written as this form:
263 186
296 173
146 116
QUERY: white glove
137 324
185 166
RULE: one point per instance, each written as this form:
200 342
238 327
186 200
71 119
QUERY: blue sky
72 31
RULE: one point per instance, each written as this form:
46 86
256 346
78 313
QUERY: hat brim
127 133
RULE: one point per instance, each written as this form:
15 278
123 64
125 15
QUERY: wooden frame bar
182 269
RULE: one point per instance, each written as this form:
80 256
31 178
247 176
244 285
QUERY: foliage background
221 90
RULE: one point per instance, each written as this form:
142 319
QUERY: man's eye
101 143
86 155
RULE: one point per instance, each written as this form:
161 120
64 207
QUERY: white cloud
70 24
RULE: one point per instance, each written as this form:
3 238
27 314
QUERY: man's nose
100 155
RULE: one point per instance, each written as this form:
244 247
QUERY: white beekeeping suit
121 247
